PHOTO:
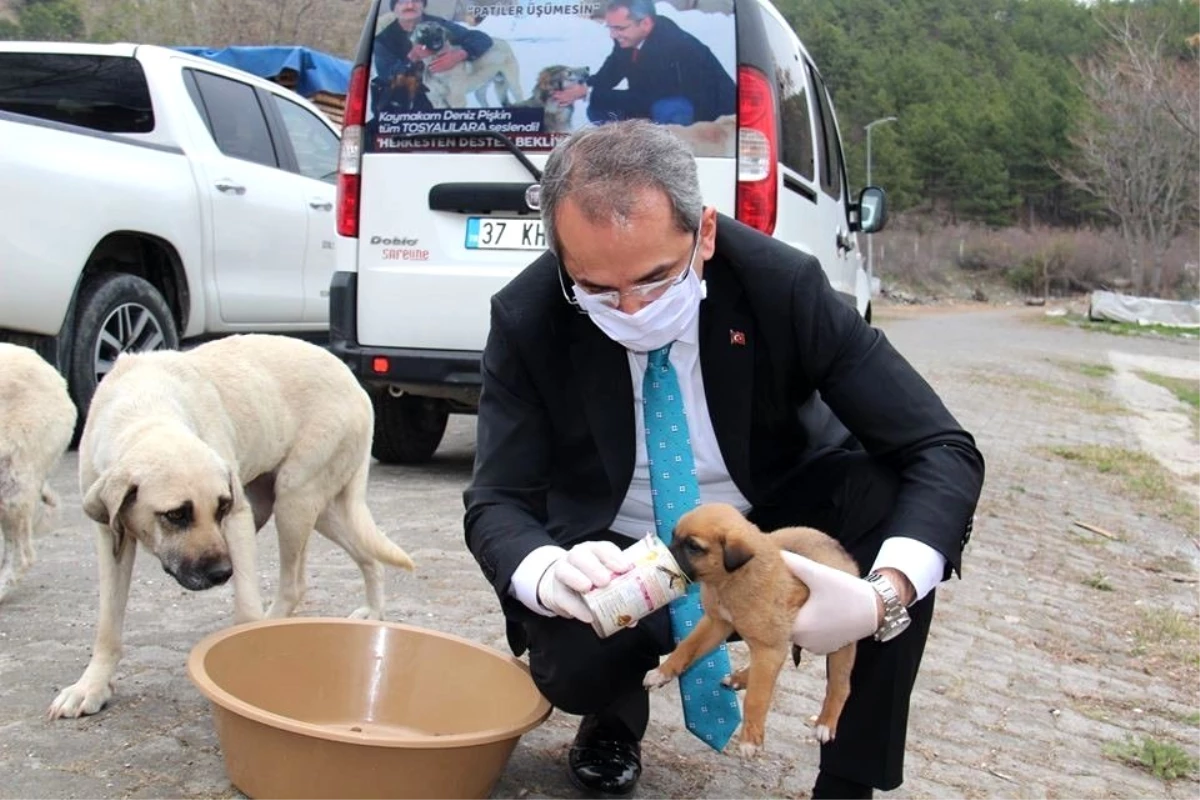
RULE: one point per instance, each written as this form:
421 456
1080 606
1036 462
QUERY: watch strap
895 615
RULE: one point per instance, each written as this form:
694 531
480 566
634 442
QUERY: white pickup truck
151 198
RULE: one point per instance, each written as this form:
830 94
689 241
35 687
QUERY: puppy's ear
736 554
107 501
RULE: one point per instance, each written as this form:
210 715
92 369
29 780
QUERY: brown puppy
746 586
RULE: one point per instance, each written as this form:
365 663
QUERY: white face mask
652 326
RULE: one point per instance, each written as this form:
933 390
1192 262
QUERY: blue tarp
317 71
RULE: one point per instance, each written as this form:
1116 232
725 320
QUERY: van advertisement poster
445 71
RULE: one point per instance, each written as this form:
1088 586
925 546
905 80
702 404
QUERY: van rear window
444 73
104 93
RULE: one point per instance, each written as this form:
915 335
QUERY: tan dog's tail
384 549
390 553
369 538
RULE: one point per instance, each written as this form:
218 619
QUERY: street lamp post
870 237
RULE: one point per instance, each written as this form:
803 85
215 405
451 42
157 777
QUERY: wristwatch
895 615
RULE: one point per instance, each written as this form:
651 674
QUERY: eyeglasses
644 292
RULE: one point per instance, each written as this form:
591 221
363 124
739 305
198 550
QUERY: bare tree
1138 150
329 25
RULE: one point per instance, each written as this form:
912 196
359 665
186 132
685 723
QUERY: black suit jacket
555 442
671 63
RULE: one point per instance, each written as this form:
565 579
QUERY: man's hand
448 60
585 566
841 608
564 97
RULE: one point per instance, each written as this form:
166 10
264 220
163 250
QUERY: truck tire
408 428
116 313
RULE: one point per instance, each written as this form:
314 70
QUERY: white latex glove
841 608
585 566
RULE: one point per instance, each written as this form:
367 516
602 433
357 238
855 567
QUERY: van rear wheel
408 428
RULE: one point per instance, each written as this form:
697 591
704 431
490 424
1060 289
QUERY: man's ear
736 555
107 501
708 236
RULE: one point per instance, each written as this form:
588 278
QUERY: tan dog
37 420
746 586
189 453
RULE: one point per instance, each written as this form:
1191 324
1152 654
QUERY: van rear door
443 221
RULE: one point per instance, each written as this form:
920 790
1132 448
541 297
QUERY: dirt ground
1058 645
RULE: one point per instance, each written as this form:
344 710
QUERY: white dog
189 453
37 420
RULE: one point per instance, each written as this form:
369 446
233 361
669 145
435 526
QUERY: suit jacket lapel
605 383
727 341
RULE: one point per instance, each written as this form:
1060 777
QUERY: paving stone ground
1032 673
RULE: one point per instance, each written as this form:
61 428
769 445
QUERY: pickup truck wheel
408 428
118 313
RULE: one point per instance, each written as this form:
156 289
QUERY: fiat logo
533 196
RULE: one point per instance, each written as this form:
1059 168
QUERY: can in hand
654 581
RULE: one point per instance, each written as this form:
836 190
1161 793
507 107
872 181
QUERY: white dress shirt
919 562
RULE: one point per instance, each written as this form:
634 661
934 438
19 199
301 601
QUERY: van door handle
229 187
844 242
320 205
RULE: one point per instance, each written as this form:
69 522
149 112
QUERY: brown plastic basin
317 707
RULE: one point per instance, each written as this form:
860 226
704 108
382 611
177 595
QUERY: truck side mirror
869 214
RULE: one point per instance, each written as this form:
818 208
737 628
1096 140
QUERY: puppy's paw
738 680
824 733
655 678
366 612
750 740
80 700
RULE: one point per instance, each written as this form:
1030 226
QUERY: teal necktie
710 709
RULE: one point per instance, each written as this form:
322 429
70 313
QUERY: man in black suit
755 332
673 77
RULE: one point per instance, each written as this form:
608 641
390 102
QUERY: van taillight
350 155
758 151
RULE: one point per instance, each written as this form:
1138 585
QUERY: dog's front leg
765 663
239 536
707 635
94 688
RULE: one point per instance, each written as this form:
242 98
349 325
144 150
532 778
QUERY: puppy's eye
692 548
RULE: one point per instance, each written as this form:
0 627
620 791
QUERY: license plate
491 233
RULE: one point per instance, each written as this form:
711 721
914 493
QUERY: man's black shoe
604 759
835 788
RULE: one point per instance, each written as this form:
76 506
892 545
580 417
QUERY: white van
454 107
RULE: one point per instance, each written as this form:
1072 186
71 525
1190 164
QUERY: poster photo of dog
557 66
